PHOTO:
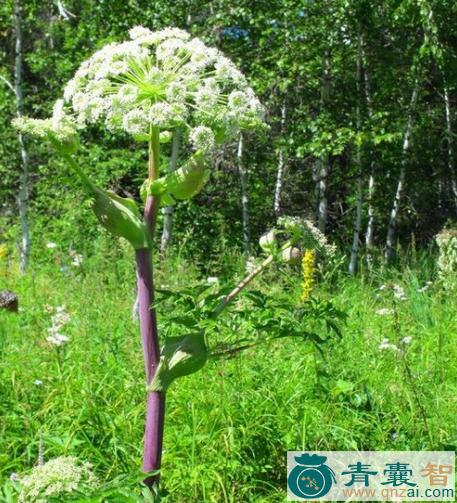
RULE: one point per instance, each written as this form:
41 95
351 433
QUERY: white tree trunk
323 165
281 165
371 179
359 196
401 179
244 197
450 150
357 228
23 192
371 217
167 231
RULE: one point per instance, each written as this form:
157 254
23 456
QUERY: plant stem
245 281
155 408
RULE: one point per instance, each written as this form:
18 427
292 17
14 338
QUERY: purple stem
155 408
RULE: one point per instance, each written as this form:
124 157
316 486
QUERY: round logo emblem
311 478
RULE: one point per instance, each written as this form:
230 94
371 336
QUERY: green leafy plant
151 87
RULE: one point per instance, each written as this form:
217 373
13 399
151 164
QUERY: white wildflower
386 345
447 259
399 293
406 340
202 139
139 32
135 122
59 319
211 280
384 311
206 97
77 259
427 285
70 89
57 477
161 115
57 339
176 92
163 79
51 246
37 382
238 102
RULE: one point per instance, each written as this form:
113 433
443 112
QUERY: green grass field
229 426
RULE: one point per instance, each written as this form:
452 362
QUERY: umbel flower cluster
447 259
57 477
165 80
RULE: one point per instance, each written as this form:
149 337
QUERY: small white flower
57 339
161 114
384 311
207 97
427 285
38 382
139 32
176 91
135 122
406 340
238 102
211 280
202 139
386 345
77 259
51 246
399 293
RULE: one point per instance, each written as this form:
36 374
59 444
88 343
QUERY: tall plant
151 87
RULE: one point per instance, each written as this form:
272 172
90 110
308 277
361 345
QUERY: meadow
229 426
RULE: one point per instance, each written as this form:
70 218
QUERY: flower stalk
155 402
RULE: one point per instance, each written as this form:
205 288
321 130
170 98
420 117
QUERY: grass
229 426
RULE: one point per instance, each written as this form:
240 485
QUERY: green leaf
180 356
120 217
183 183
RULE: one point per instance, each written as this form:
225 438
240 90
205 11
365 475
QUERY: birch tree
323 162
244 196
390 240
371 178
450 149
281 164
24 178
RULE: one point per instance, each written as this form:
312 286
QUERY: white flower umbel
399 292
385 311
202 139
386 345
59 319
56 478
163 79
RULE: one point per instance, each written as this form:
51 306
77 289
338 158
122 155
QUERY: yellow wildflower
3 252
309 268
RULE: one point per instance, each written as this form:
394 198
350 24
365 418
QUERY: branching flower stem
245 281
